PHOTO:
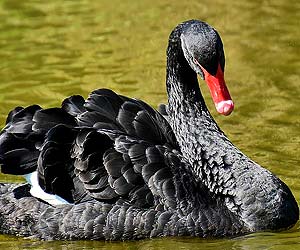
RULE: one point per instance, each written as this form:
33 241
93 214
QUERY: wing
110 148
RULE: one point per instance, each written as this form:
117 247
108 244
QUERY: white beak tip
225 107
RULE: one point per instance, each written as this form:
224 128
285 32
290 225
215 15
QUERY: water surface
52 49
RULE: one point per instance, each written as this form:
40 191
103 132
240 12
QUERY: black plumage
129 172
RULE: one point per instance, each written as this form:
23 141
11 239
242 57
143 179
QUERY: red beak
219 91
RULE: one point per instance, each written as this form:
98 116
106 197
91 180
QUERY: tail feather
25 131
18 153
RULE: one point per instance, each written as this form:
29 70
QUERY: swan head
203 49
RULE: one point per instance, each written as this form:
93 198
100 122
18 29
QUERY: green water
52 49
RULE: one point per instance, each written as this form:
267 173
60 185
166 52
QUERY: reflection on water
52 49
279 241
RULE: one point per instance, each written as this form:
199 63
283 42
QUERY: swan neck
188 115
182 83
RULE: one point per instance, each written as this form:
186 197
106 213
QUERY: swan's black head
203 50
202 47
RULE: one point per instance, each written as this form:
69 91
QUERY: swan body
111 167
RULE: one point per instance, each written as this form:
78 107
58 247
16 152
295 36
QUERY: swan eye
196 62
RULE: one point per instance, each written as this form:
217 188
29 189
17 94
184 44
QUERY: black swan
115 169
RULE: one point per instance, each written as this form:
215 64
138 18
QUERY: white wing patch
38 192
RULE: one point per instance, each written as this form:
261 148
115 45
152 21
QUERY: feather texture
126 172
